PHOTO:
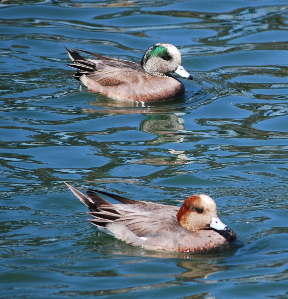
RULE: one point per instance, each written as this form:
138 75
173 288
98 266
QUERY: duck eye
198 210
166 57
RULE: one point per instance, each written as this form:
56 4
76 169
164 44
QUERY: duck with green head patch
125 80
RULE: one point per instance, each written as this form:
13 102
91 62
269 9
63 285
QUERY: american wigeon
195 227
125 80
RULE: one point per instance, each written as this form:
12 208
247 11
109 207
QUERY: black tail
81 64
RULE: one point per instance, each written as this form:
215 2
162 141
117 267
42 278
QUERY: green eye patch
160 51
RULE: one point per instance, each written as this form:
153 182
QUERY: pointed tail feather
85 199
123 200
81 64
93 201
74 55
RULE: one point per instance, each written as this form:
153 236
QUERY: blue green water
226 137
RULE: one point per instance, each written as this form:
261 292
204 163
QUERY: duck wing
142 218
103 64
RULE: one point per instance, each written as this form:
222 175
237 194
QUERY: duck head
199 212
163 59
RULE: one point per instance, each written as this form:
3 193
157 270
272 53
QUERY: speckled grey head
163 59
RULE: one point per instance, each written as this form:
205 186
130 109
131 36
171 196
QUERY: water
227 137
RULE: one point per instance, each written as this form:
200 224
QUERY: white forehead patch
207 199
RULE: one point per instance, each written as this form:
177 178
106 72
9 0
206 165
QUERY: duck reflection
167 126
197 266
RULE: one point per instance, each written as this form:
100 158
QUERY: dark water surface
226 137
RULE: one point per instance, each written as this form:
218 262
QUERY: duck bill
222 229
182 72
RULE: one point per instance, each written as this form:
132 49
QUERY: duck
119 79
194 227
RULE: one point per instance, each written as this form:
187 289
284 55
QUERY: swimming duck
125 80
195 227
